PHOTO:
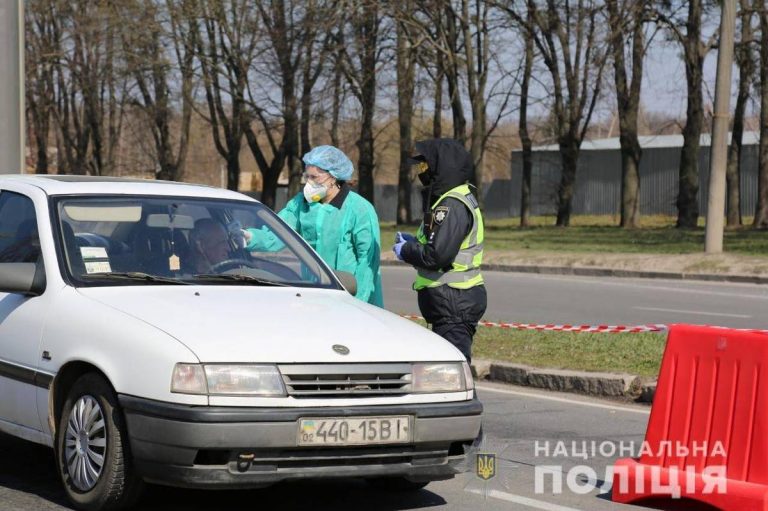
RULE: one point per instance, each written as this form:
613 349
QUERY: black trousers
454 313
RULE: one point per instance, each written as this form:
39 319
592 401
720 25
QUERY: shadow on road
28 480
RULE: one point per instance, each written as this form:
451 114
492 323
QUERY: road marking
523 501
685 286
562 400
744 316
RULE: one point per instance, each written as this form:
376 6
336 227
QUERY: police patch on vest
441 213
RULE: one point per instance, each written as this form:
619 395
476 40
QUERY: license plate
355 430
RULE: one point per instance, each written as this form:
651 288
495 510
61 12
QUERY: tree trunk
368 61
525 138
306 114
437 117
291 144
269 192
405 88
688 182
630 178
761 212
233 165
337 100
476 53
746 70
628 104
569 156
452 77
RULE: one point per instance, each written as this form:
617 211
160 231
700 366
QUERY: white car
136 366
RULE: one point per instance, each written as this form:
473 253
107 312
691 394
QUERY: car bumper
211 447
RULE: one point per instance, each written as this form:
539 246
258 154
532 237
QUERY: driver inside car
210 244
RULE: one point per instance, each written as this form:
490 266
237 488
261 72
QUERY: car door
21 318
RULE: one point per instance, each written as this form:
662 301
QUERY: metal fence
598 180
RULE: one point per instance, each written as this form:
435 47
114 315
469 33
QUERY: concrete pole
12 145
718 156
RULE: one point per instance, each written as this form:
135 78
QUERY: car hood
275 324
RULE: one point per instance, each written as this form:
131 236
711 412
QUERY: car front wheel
92 451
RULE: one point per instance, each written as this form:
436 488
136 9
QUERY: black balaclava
449 165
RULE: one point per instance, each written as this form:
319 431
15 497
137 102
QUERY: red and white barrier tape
606 329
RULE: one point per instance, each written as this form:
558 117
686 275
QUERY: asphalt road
530 298
515 420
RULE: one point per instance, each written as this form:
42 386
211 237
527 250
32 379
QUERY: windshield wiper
133 275
236 278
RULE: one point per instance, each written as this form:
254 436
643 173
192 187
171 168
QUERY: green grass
638 354
599 234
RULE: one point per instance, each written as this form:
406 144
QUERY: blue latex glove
397 248
404 236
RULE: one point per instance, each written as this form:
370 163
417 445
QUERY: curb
611 385
609 272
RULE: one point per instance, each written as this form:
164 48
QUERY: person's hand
404 236
397 248
240 236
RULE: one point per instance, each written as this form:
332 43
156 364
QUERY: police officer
447 251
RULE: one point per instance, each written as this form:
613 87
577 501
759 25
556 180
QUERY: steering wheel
228 264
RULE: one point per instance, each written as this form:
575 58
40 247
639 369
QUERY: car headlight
227 380
440 377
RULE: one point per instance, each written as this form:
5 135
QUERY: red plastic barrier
707 436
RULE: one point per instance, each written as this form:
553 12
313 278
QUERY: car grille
344 380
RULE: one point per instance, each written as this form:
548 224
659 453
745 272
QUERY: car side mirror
22 278
348 281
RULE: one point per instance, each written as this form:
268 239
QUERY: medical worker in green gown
338 223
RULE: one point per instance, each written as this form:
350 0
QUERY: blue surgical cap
331 160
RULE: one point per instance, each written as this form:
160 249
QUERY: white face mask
314 192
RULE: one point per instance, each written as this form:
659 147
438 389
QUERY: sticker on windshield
96 259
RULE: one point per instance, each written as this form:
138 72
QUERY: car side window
19 240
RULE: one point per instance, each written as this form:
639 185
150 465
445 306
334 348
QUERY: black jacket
445 226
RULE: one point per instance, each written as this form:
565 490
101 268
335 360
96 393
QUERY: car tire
396 484
92 449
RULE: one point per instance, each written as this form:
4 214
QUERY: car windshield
139 240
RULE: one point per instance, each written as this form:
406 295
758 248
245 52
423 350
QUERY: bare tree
438 22
761 212
318 30
746 64
293 52
450 37
525 137
477 59
90 86
567 38
225 35
694 52
146 48
406 70
626 19
361 58
40 49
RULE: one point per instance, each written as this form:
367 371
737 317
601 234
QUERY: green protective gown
348 239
